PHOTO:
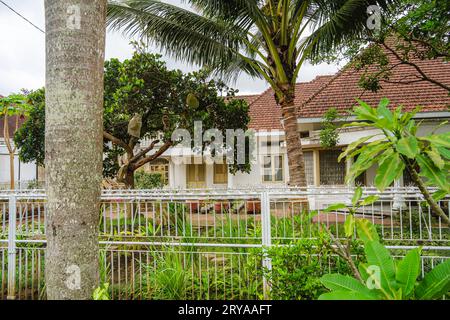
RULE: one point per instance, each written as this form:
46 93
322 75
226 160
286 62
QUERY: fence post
266 239
12 248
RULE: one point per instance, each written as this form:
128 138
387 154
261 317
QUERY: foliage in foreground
397 148
383 278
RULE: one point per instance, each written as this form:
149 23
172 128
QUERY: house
313 99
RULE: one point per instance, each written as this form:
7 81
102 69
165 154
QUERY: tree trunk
293 141
129 179
11 171
438 212
75 45
11 150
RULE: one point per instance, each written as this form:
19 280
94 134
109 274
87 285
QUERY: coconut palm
269 39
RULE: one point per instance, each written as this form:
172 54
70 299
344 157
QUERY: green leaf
334 207
378 255
435 283
439 140
369 200
433 173
345 295
357 124
366 230
439 195
389 169
365 112
408 147
444 152
367 158
362 267
357 196
436 158
408 270
349 225
352 146
384 112
339 282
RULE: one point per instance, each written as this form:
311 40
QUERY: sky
22 52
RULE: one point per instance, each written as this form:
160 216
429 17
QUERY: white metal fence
202 244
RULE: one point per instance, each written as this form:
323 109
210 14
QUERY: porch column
230 180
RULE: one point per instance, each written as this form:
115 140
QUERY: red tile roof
265 114
340 90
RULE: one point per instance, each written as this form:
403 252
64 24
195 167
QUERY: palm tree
75 46
269 39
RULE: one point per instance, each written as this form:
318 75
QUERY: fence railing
211 233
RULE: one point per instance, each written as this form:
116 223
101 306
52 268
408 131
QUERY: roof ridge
262 95
323 87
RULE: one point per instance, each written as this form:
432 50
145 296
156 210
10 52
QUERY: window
273 168
332 172
195 176
309 167
160 166
304 134
220 173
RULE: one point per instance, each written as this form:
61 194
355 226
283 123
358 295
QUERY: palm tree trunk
75 44
293 141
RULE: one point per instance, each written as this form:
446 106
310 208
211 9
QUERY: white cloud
22 52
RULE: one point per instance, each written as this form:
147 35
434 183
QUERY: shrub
144 180
297 268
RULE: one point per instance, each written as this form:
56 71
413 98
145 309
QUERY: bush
297 269
144 180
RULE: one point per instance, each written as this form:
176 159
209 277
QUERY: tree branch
415 66
118 142
143 152
154 156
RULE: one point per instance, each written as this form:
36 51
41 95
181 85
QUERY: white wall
22 171
177 172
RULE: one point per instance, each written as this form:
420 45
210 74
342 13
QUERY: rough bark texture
73 144
129 179
293 142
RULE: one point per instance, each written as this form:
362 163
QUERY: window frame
273 169
215 181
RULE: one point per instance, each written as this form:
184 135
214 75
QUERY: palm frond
339 21
240 12
183 34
